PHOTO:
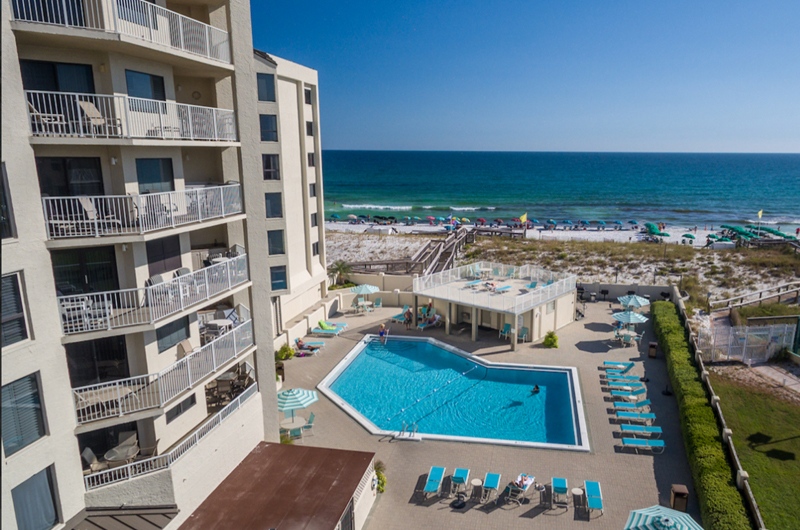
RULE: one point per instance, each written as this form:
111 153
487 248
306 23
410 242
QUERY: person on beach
382 333
407 318
303 346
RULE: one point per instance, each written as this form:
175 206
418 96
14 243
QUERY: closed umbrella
660 518
690 236
296 398
629 317
633 300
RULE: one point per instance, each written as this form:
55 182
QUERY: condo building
161 231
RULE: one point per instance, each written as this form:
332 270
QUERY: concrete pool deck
628 480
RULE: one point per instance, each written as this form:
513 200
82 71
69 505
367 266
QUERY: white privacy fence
124 396
122 116
145 305
444 285
747 344
157 463
134 18
137 214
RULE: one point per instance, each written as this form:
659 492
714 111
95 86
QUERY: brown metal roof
132 518
285 487
264 55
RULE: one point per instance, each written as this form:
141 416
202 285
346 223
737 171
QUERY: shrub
286 352
550 340
380 472
721 504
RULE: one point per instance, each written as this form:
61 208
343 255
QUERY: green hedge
721 504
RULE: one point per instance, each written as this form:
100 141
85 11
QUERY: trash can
593 297
679 499
653 349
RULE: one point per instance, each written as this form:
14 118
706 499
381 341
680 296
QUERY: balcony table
122 452
293 423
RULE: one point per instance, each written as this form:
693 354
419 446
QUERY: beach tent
629 317
296 398
660 518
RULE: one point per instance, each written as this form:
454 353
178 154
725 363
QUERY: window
308 96
309 128
181 407
164 255
155 175
6 215
275 242
141 85
269 127
273 203
96 361
69 177
23 419
266 87
85 270
57 77
171 334
278 277
35 502
551 306
272 168
314 220
15 329
312 189
311 162
315 249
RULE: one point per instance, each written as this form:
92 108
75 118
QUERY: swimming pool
449 394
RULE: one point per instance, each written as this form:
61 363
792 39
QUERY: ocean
677 189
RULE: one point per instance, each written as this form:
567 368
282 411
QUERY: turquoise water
682 189
445 394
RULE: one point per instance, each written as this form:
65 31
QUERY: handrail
789 285
133 18
83 115
149 391
157 463
113 215
147 305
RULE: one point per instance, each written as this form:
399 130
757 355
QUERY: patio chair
626 340
224 389
616 364
523 334
532 285
635 405
340 325
620 372
106 221
42 122
127 438
641 429
629 394
296 434
434 482
473 284
437 321
613 377
354 306
459 480
490 484
559 487
378 303
655 446
503 289
503 333
646 417
98 123
326 332
594 496
516 493
402 316
308 427
94 465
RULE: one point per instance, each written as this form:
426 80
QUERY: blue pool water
446 394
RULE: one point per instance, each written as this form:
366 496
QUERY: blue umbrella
296 398
601 222
334 216
534 221
633 300
660 518
617 222
363 216
440 218
633 222
551 222
629 317
584 222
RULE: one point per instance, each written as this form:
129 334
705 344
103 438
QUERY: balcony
134 394
146 305
157 463
132 18
94 116
74 217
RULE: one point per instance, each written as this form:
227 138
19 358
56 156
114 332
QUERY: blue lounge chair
656 446
532 285
629 394
523 334
402 316
319 345
641 429
646 417
622 377
341 325
434 483
490 484
620 372
503 333
502 289
459 480
328 332
308 427
624 384
473 284
559 488
615 364
378 303
594 496
516 493
635 405
550 282
437 321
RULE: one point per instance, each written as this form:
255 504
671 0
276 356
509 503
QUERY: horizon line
566 152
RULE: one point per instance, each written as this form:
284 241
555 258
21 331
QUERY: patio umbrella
660 518
296 398
440 218
633 223
633 300
690 236
334 216
629 317
351 216
364 288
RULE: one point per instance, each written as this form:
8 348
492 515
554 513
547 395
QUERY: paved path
779 375
629 481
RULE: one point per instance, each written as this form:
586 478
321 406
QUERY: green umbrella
729 227
660 518
296 398
713 236
663 234
725 239
629 317
690 236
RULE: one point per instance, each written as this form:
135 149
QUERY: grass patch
766 432
768 310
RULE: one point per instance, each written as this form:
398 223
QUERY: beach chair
624 385
490 484
378 303
620 372
532 285
516 493
459 480
319 345
423 311
627 340
503 333
622 377
99 124
434 482
635 405
523 334
354 306
328 327
559 487
550 282
629 395
340 325
616 364
502 289
402 316
495 272
326 332
473 284
641 429
437 321
656 446
308 427
646 417
510 273
594 496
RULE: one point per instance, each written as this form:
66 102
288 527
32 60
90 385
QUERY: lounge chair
402 316
550 282
516 493
616 364
434 483
330 326
624 384
656 446
308 427
319 345
473 284
523 334
620 372
503 333
459 480
559 486
594 496
324 332
646 417
532 285
437 321
631 395
617 377
378 303
502 289
94 465
641 429
99 124
490 484
342 325
635 405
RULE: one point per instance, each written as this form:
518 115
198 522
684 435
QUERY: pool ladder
409 432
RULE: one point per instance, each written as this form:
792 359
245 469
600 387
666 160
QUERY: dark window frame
278 284
315 248
32 400
170 338
54 174
314 220
312 162
158 93
165 168
26 65
271 173
273 204
278 252
312 189
269 87
163 255
268 134
176 411
309 128
22 314
307 96
9 227
52 486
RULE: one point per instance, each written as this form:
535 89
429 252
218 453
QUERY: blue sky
706 76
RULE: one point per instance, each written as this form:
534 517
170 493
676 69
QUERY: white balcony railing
157 463
120 116
133 394
146 305
113 215
134 18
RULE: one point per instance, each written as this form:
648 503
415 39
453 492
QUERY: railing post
149 18
214 113
189 372
119 401
161 116
214 355
197 202
107 309
228 272
127 113
180 32
191 124
149 303
171 209
222 199
208 42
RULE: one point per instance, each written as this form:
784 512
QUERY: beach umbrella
584 222
498 221
431 218
617 222
566 222
351 216
712 236
660 518
464 220
296 398
481 220
690 236
534 221
663 234
725 239
364 288
515 220
551 222
633 300
392 217
729 227
601 222
406 218
363 216
334 216
629 317
633 222
417 218
440 218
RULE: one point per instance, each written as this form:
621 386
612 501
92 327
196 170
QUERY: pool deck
629 481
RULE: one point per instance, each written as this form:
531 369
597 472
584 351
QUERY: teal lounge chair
523 334
402 316
437 321
308 427
616 364
490 484
328 332
502 289
624 384
532 285
634 405
517 494
319 345
559 488
473 284
641 429
550 282
378 303
434 483
633 394
620 372
646 417
622 377
594 496
341 325
503 333
459 480
656 446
